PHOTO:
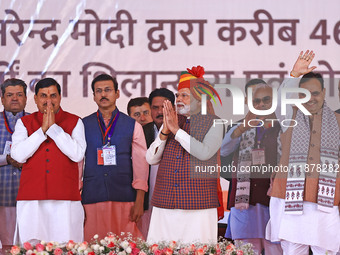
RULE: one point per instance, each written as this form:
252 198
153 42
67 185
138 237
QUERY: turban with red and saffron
193 80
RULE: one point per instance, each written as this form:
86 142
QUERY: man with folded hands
49 143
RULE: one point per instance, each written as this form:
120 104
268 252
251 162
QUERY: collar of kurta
113 114
320 110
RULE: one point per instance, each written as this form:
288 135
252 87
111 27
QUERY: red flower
135 251
172 244
218 249
133 245
154 247
199 251
157 252
91 253
40 247
167 251
28 246
70 245
192 247
49 247
230 247
58 251
197 71
15 250
84 245
111 245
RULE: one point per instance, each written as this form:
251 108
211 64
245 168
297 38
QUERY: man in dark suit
156 99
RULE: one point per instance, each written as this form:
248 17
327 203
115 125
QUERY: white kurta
186 226
313 227
49 220
153 174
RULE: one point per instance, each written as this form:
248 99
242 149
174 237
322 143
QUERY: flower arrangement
126 245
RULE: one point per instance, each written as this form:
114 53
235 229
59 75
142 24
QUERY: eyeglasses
265 100
106 90
139 114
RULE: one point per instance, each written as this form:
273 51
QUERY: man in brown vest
185 201
305 197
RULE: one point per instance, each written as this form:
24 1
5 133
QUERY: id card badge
109 155
100 159
7 148
258 157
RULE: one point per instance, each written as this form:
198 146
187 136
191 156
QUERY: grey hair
12 82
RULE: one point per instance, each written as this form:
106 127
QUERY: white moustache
183 110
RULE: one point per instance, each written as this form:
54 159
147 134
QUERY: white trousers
301 249
313 228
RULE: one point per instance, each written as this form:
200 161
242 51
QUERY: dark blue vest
108 183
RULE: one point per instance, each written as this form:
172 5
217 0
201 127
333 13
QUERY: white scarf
329 153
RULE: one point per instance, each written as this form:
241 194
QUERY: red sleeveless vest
49 174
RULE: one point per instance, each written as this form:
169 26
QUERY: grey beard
185 110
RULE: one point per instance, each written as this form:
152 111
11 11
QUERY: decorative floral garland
126 245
